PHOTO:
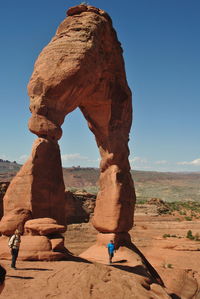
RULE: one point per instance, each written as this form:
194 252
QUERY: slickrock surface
72 279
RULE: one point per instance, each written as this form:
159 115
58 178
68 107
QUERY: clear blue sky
161 42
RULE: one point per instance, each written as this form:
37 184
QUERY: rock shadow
150 268
174 296
69 256
77 259
138 270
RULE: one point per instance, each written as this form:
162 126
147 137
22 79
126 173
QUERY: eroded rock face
14 220
39 185
82 67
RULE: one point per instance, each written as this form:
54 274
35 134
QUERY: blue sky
161 42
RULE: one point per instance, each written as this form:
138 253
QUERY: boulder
13 220
43 227
32 248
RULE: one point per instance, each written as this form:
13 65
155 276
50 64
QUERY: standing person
14 244
111 249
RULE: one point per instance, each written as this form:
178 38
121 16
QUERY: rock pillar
39 184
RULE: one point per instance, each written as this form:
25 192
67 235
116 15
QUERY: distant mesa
7 161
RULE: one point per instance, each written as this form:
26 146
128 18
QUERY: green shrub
182 213
190 235
73 189
169 266
178 219
188 218
170 236
141 201
166 235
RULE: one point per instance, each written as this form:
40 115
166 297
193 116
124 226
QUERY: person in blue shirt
111 249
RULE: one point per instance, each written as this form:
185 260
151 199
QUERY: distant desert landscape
168 186
166 232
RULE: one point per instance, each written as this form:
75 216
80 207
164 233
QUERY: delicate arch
83 67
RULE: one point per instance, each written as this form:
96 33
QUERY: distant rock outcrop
79 206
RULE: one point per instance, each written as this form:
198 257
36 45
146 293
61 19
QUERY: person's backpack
11 241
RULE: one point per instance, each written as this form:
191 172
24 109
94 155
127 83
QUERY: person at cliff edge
111 249
14 244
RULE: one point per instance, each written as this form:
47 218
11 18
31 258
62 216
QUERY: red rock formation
81 67
39 185
43 227
42 239
14 220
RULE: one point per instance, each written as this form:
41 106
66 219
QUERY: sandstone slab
43 227
13 220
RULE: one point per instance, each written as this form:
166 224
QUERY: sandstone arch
83 67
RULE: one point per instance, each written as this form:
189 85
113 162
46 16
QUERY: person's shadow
120 262
35 269
19 277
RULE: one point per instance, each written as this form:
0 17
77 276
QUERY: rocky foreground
161 238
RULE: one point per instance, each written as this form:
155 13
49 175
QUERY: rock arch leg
110 124
116 198
39 185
